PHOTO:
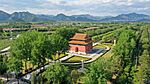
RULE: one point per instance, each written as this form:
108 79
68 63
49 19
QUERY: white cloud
88 2
145 8
70 7
55 11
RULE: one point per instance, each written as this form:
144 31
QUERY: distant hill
29 17
91 17
23 16
45 17
4 16
131 17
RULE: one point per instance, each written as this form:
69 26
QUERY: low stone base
78 52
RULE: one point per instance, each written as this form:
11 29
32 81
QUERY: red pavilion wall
81 49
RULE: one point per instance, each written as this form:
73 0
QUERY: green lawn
109 53
76 59
4 43
108 44
55 57
103 45
100 46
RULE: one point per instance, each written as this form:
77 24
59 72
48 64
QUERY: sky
76 7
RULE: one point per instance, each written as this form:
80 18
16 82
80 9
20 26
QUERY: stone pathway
5 49
94 56
66 57
90 55
28 76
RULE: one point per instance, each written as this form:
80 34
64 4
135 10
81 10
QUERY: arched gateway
80 43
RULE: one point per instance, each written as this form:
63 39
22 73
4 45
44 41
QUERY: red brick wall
80 48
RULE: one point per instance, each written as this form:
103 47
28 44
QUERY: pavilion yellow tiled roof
79 36
79 42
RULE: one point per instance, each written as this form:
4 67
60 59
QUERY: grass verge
76 59
4 43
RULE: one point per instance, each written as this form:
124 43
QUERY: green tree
66 33
98 72
32 46
21 48
57 74
15 64
60 45
3 64
75 75
144 61
124 47
41 49
33 78
124 50
40 79
1 81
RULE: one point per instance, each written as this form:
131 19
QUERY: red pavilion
80 43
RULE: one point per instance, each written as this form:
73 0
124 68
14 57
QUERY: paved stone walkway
90 55
94 56
5 49
66 57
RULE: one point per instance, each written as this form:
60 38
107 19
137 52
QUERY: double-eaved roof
79 38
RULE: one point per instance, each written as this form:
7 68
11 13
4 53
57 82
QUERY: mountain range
29 17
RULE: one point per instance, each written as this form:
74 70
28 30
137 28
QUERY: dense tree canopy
57 74
98 72
143 74
3 64
125 46
32 46
15 64
129 61
59 43
124 53
66 33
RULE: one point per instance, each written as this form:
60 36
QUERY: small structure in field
39 26
80 43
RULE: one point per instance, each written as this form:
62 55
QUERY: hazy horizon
68 15
77 7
